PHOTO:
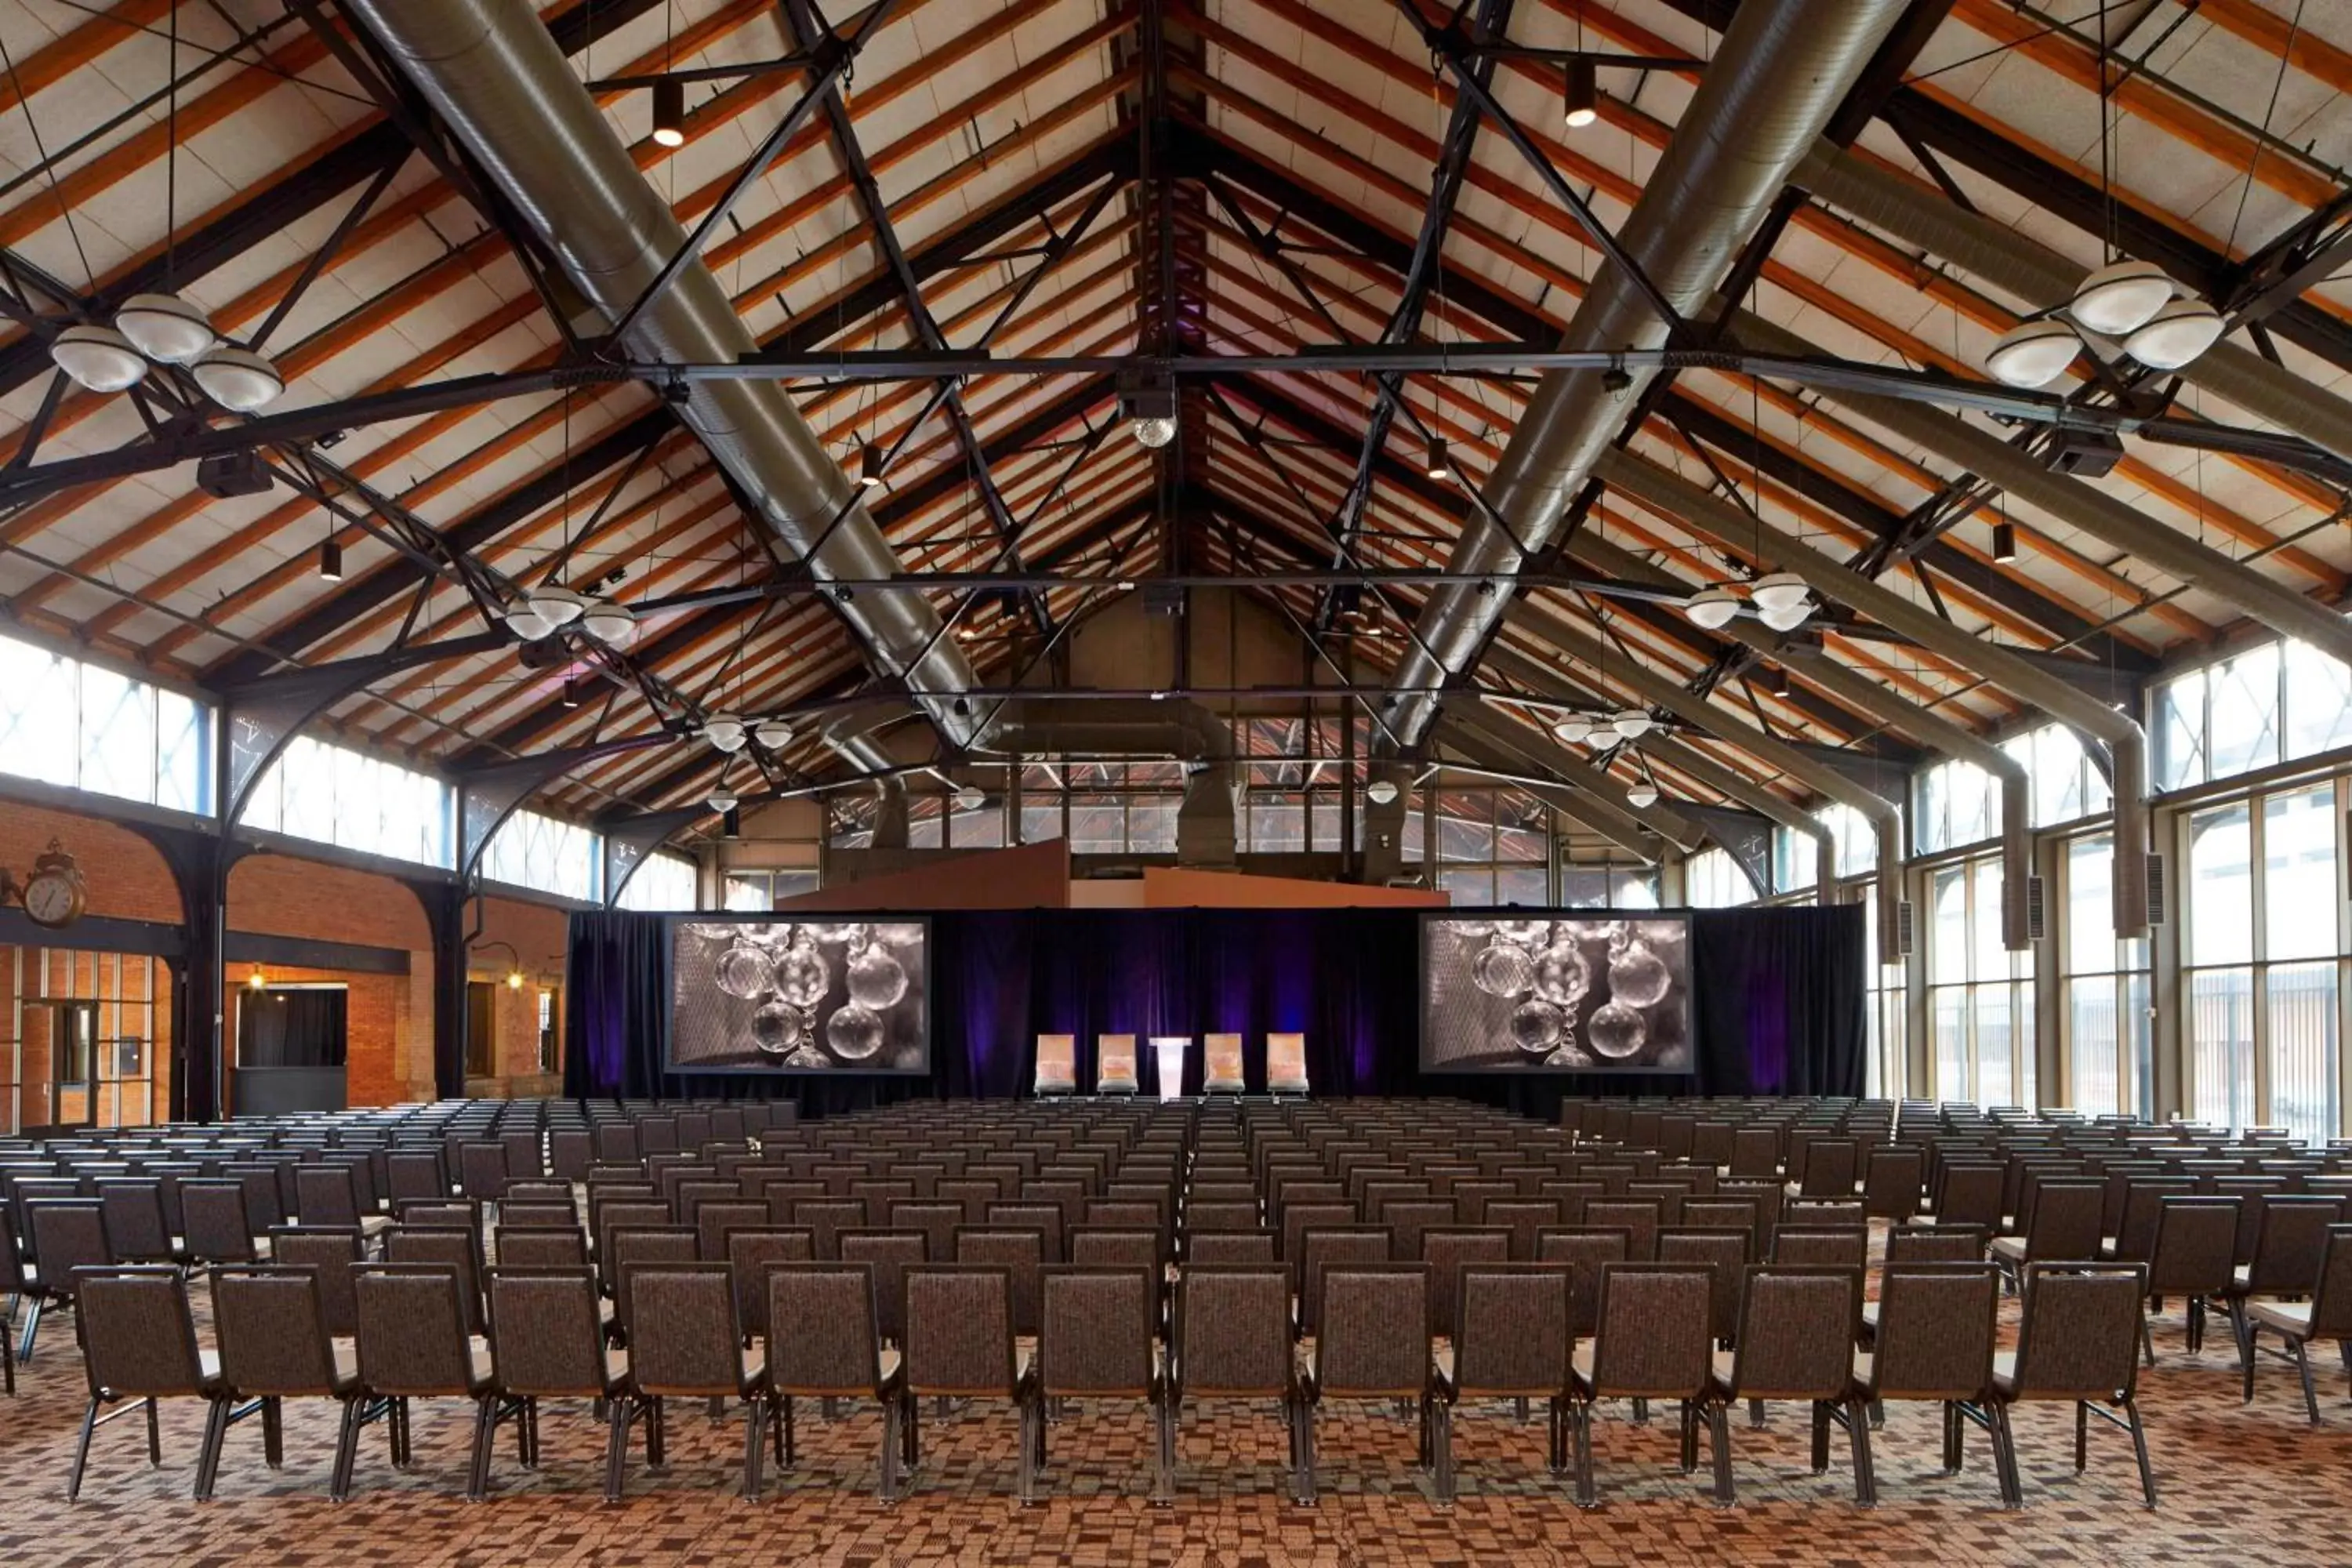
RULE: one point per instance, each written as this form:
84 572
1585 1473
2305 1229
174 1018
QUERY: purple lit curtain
1780 1004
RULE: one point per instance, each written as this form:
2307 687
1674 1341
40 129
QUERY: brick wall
389 1017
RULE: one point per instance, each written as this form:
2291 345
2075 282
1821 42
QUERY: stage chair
1286 1064
1223 1059
1057 1065
1115 1065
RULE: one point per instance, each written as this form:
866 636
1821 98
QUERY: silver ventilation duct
1142 727
1781 72
2040 277
849 735
1657 690
495 76
1867 696
2077 505
1709 514
1694 764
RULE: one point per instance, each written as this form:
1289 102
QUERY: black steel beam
1408 480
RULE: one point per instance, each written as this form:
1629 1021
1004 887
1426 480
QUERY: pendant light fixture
773 734
1440 464
1573 730
609 622
1777 591
970 797
2118 296
331 562
99 359
669 113
725 732
722 799
2004 542
1381 791
1643 795
239 379
1632 724
1583 93
1787 618
869 466
2033 352
1712 608
2176 334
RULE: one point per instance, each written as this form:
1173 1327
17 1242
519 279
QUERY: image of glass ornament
1536 1027
1637 976
854 1033
1616 1031
744 970
803 976
899 934
1471 928
852 932
876 978
1562 975
1502 970
778 1028
1526 933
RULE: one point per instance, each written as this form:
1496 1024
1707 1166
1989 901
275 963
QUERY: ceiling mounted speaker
2119 295
99 359
2034 354
239 379
1712 608
2176 334
165 327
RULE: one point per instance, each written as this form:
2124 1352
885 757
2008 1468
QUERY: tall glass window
2109 1039
1712 880
2276 702
1979 995
2263 965
665 882
84 726
1493 846
547 854
333 794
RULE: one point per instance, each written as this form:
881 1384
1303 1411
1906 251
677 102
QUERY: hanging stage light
669 113
331 562
1583 93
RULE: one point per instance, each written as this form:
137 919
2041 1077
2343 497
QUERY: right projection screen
1580 993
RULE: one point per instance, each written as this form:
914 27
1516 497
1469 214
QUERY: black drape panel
292 1026
1779 1005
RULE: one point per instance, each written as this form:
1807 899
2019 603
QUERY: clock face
51 899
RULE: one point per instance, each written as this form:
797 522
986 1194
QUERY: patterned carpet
2255 1483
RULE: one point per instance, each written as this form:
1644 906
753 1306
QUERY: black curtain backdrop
1778 1009
292 1026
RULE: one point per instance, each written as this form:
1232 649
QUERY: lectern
1169 1050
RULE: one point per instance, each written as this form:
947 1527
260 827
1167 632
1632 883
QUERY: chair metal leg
485 1426
346 1450
617 1451
1032 1418
156 1436
32 1328
657 1434
81 1448
1163 1467
755 1444
1441 1430
791 1437
1756 1415
1304 1487
2082 1436
1952 1455
1718 1442
1588 1492
2303 1369
2140 1450
888 1487
208 1454
2196 1309
2147 1339
1821 1437
273 1433
7 1358
1865 1476
2004 1454
2246 1359
527 1433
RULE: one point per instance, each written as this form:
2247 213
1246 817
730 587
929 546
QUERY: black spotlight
2004 542
331 562
669 113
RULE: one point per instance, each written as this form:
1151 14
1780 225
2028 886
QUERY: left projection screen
767 995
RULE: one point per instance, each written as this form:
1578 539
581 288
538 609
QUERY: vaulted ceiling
1080 181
